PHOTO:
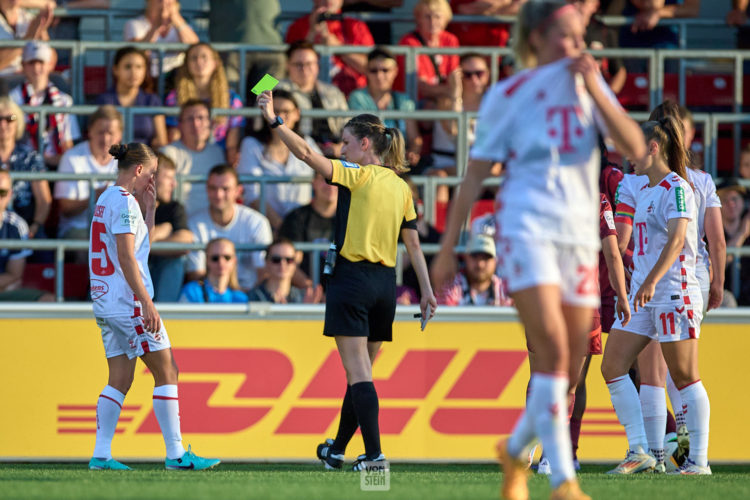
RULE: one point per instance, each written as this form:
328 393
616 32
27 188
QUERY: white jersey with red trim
705 197
543 125
653 207
116 212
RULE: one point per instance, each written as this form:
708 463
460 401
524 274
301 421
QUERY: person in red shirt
326 26
483 34
431 18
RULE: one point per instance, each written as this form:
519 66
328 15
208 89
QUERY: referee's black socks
366 407
347 423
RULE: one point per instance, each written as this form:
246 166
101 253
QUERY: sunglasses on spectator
276 259
479 73
215 258
8 118
4 192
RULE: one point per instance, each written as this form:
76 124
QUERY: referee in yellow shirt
374 207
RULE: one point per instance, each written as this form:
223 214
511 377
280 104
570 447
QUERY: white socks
107 414
654 408
676 400
548 404
697 414
167 411
627 406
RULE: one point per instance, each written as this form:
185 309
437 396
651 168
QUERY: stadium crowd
223 212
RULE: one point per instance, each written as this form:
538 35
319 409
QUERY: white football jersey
116 212
705 197
543 125
653 207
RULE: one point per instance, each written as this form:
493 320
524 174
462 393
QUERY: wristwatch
278 121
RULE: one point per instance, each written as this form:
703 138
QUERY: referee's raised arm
294 142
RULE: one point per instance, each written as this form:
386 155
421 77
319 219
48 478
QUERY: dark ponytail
387 142
128 155
671 108
668 134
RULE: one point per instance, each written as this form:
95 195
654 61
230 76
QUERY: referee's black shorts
361 301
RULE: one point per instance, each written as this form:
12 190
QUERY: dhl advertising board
271 389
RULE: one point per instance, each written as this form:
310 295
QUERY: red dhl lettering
268 373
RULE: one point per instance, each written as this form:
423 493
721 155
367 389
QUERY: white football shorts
665 322
126 335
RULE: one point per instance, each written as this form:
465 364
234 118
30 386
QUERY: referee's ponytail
387 142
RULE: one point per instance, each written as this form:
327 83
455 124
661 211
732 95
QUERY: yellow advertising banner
271 389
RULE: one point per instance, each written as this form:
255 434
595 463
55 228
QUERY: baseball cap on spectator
481 243
732 184
37 51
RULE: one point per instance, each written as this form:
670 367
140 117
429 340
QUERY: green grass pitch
307 481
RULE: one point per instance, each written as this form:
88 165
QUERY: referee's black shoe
326 455
362 461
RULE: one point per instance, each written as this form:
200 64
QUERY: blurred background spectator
312 223
276 287
60 130
736 221
19 24
13 262
382 70
311 93
381 30
645 30
133 86
202 77
161 23
167 267
220 284
325 25
600 36
225 218
193 153
479 34
743 169
431 17
31 199
738 17
88 157
266 154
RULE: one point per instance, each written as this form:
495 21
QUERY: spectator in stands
202 76
13 261
431 18
382 70
381 30
736 221
266 154
483 34
312 223
167 267
161 23
31 199
60 130
220 284
135 87
281 263
468 85
88 157
225 218
743 169
477 284
251 23
193 153
600 36
18 24
325 25
738 17
311 93
645 32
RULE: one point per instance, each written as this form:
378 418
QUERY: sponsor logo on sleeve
128 218
679 194
349 164
98 289
610 220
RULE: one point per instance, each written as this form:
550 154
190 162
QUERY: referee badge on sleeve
349 164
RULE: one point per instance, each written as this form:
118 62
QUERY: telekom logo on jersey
565 118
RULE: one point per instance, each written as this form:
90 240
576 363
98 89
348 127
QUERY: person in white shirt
161 23
225 218
60 130
193 153
543 125
88 157
668 304
122 291
266 154
17 23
